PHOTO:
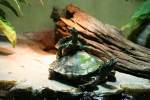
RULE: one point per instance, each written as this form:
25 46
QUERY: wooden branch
105 41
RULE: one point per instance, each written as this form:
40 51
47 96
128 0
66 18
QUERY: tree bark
104 41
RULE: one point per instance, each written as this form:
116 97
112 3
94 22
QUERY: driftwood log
103 41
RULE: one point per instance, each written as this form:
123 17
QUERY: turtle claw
90 86
111 77
87 87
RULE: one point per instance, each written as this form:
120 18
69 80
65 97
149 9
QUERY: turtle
82 69
69 44
75 65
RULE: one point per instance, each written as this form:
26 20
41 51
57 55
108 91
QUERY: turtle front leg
59 53
111 77
92 85
107 67
60 50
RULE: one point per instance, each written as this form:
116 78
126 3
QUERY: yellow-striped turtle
83 69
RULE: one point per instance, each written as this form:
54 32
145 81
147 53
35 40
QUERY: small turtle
69 44
82 69
77 66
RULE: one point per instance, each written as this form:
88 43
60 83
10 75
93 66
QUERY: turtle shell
78 65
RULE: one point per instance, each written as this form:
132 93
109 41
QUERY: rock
29 66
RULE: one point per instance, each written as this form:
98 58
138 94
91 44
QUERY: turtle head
73 31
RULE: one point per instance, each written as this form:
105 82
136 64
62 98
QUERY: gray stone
34 73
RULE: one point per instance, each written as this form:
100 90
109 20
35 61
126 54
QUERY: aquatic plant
5 26
140 14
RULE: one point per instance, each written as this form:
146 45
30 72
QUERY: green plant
140 14
5 26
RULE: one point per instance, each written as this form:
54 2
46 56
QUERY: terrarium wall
37 17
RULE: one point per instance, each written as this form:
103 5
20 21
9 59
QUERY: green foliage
19 8
141 13
23 1
8 5
8 32
2 14
5 26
